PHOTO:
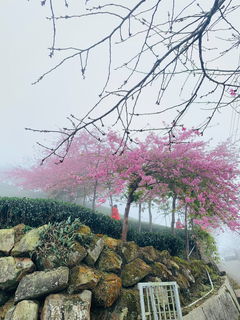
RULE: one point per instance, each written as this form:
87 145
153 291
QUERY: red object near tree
115 213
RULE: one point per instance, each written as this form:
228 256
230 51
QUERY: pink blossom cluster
204 179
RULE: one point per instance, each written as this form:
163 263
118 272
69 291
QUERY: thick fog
228 243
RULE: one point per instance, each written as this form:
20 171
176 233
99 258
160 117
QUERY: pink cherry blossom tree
203 181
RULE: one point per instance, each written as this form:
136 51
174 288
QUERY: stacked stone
98 281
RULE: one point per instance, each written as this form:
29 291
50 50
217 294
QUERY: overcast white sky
25 37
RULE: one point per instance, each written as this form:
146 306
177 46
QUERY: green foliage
37 212
161 241
58 240
207 241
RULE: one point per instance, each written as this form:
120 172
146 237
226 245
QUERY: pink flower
233 92
188 200
101 200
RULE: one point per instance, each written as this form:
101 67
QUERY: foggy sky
25 39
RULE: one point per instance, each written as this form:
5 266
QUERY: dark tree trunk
186 233
174 200
111 201
125 219
150 215
139 217
94 196
84 197
131 190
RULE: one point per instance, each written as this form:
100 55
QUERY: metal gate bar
159 301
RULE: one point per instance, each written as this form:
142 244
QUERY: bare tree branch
173 45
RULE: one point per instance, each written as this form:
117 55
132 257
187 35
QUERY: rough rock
9 313
12 270
160 270
42 282
77 254
149 254
134 271
28 242
107 290
187 274
19 230
6 240
129 251
83 277
94 252
111 243
9 305
182 281
164 257
84 230
67 307
24 310
109 261
127 307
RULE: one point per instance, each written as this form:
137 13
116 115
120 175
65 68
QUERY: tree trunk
94 196
111 201
139 217
173 213
150 215
125 219
130 198
186 233
84 197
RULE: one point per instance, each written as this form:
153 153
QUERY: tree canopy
204 181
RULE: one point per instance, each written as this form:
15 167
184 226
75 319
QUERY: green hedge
36 212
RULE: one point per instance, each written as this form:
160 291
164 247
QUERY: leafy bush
36 212
207 242
161 241
58 240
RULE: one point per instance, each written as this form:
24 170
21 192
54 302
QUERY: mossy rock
7 239
182 281
128 305
134 272
20 230
6 307
12 270
83 229
160 270
149 254
109 261
107 290
83 277
111 243
94 251
29 242
66 258
198 269
129 251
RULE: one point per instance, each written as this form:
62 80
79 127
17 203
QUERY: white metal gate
159 301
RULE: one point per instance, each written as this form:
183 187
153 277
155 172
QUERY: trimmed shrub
36 212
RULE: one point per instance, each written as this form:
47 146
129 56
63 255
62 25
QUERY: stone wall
221 306
53 273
